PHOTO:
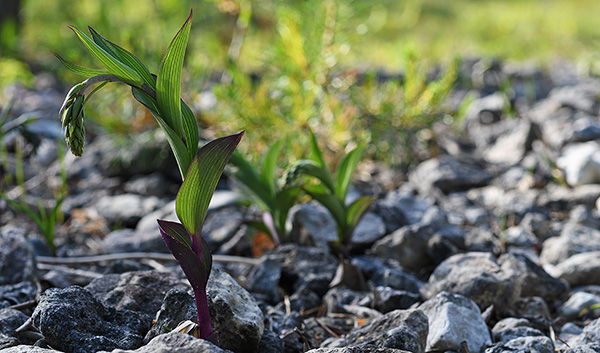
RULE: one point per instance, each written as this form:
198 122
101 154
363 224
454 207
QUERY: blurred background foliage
275 68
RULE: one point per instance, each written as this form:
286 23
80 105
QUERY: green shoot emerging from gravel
275 200
200 169
331 191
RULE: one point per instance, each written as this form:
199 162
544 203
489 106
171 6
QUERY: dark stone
72 320
17 261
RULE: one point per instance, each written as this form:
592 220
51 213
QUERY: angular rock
382 274
581 163
585 348
235 316
454 319
576 304
507 141
408 245
270 342
512 327
476 276
72 320
574 239
12 294
129 240
126 209
534 280
580 269
401 329
312 225
365 349
141 291
175 342
400 208
369 229
10 320
264 278
221 225
154 184
447 174
560 198
17 260
533 344
312 268
27 349
386 299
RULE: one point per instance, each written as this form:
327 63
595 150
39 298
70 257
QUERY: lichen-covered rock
175 342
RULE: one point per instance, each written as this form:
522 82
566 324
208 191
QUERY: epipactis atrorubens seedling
200 169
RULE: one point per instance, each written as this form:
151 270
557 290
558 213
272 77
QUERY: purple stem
203 313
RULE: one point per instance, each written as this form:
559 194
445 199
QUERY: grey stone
309 267
400 208
581 163
580 269
476 276
401 329
365 349
573 239
155 184
560 198
10 320
508 325
141 291
72 320
534 280
221 225
486 110
386 299
508 141
175 342
369 229
17 260
126 209
312 225
452 320
12 294
409 245
519 237
235 316
338 297
129 240
576 304
538 224
584 348
387 275
264 278
27 349
534 309
270 342
447 174
533 344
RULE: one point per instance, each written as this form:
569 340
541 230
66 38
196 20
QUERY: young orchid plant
200 169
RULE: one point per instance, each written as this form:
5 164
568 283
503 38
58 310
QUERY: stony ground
490 244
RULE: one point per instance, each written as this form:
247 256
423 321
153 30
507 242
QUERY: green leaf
124 56
355 211
346 170
113 65
311 168
315 152
247 174
80 70
179 148
283 202
201 180
268 167
331 203
190 130
168 83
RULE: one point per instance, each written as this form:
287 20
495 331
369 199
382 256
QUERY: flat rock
454 319
126 209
